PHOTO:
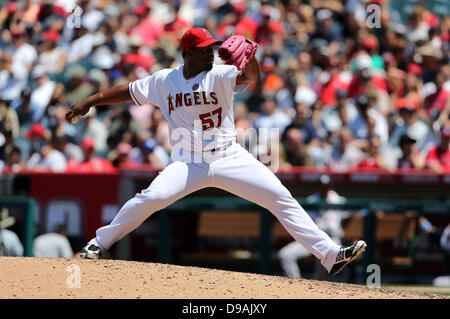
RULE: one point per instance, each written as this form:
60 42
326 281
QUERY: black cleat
91 251
346 255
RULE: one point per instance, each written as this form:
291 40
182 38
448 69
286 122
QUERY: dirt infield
53 278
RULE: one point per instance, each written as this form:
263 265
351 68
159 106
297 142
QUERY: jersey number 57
207 119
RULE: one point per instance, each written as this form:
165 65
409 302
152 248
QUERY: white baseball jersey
202 105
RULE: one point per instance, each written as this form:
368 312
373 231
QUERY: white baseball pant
237 172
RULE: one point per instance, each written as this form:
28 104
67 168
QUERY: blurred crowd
349 84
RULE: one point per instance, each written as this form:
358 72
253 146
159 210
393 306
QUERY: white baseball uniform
193 107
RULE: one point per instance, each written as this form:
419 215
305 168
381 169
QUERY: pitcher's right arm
115 95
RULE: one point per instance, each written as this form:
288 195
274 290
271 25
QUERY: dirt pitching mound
78 278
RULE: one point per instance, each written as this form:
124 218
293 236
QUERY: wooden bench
216 229
279 232
217 226
389 227
396 227
354 228
242 226
228 224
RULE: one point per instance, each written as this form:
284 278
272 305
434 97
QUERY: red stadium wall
91 191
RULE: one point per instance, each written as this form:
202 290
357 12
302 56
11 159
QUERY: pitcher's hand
79 109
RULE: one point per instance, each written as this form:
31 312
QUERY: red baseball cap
87 143
140 9
407 103
370 43
16 32
415 69
36 130
50 35
12 7
197 37
240 7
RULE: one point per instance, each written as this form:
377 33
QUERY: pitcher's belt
222 148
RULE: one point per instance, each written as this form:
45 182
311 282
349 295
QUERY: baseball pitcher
197 102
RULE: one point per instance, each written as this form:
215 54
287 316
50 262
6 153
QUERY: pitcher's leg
174 182
248 178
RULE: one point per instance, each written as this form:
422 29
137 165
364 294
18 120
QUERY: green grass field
443 291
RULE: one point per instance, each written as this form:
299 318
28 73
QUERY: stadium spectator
121 156
360 125
13 162
82 45
444 115
148 28
435 102
347 152
364 76
272 82
51 57
438 157
336 78
68 149
255 100
92 127
339 115
271 117
410 123
22 52
53 245
303 122
295 149
10 244
373 158
137 56
305 68
237 22
44 156
121 124
285 97
36 136
268 26
410 157
150 153
413 89
11 85
177 26
43 95
78 85
326 29
98 78
89 162
9 120
58 126
370 45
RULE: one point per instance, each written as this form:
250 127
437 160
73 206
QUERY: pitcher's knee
156 199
